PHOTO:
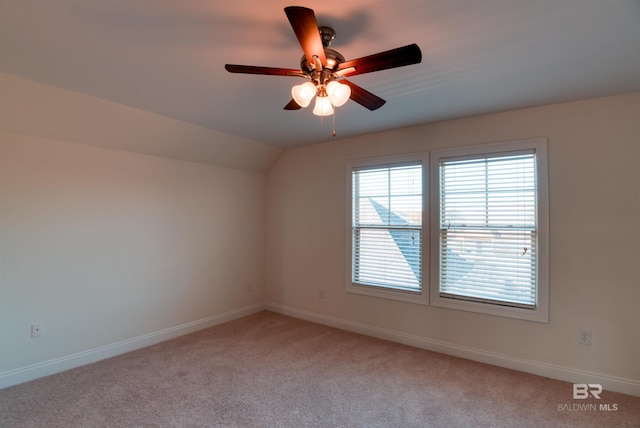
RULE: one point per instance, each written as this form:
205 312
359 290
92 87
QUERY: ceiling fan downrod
327 34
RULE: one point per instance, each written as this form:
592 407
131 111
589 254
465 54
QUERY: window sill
538 314
417 297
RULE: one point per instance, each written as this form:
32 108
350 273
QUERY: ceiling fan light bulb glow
323 106
303 94
338 93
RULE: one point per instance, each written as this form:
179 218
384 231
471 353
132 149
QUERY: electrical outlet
36 330
584 338
248 287
321 293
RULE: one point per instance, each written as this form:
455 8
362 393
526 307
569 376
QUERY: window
386 248
489 229
486 249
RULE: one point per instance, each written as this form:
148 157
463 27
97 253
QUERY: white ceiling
479 56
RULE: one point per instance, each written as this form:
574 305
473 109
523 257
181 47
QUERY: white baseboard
57 365
567 374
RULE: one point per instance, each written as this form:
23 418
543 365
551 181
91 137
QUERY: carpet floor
270 370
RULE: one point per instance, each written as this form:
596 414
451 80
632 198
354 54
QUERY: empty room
417 213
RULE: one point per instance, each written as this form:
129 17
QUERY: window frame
541 312
412 296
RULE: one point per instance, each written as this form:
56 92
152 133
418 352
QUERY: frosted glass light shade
303 94
338 93
323 106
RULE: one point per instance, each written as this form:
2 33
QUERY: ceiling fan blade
304 24
364 97
293 105
270 71
398 57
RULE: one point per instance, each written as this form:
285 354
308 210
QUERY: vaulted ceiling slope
168 58
32 108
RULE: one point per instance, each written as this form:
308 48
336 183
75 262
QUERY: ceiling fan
326 69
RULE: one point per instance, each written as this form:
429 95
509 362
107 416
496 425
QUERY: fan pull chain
333 129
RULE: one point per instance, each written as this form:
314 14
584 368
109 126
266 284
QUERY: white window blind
488 230
387 226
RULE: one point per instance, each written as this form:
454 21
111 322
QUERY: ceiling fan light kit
333 94
338 93
326 69
303 94
323 106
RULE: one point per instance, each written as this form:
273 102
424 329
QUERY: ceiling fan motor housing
315 71
322 74
334 59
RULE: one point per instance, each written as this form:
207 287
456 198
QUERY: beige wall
103 246
594 148
111 250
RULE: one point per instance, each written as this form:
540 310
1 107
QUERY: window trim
541 312
419 297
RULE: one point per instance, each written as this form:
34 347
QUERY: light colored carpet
269 370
